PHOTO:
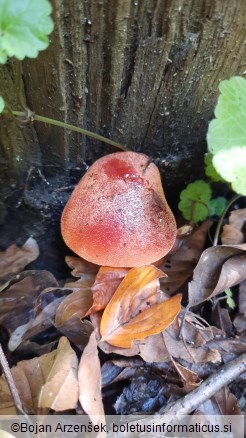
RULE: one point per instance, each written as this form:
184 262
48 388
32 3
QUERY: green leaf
2 104
217 206
194 201
231 165
228 129
24 28
210 169
229 300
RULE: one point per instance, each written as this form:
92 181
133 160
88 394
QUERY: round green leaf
2 104
24 28
217 206
194 201
210 169
228 129
231 165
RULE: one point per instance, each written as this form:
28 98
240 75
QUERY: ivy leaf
24 28
231 165
228 129
2 104
210 170
217 206
194 201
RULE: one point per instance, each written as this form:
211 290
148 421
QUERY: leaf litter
162 350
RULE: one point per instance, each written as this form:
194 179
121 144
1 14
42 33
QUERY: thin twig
225 375
11 382
187 404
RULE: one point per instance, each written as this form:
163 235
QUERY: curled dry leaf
81 266
180 265
188 377
191 347
134 311
41 322
77 331
60 389
75 304
14 259
240 320
49 295
106 283
90 381
62 308
232 233
49 381
16 302
219 267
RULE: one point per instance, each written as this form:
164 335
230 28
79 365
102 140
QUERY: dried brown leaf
81 266
76 304
48 381
152 321
13 260
115 370
192 347
188 377
74 329
106 283
77 331
219 267
180 265
84 282
222 403
232 233
132 313
7 406
34 326
228 348
242 298
49 295
240 320
89 375
17 301
104 346
60 390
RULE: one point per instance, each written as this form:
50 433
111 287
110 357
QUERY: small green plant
196 202
25 26
24 29
226 135
229 299
226 157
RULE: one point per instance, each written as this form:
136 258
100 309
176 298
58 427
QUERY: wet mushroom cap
117 214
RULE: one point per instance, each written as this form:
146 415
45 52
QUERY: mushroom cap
118 215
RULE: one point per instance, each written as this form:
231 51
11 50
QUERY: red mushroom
118 215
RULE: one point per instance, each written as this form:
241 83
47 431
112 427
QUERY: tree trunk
144 73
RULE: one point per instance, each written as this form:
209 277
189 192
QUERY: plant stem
220 222
38 118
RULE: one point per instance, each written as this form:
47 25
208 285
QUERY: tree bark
144 73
